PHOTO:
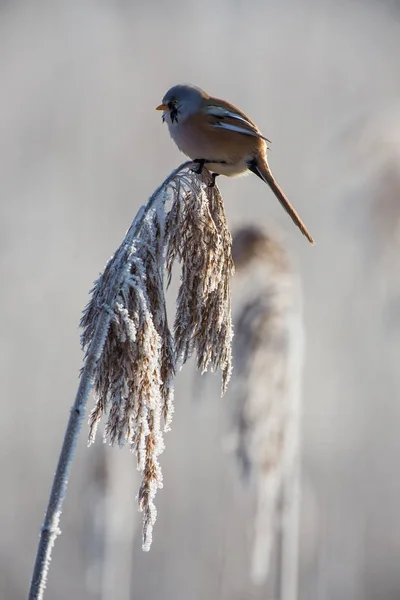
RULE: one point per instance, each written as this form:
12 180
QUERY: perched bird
221 137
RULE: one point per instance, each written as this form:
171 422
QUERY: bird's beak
162 107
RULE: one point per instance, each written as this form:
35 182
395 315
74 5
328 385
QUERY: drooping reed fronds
197 235
268 352
133 378
131 356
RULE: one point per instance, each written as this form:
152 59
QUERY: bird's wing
232 119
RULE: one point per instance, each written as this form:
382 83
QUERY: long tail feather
262 171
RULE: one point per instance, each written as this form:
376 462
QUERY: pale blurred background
81 147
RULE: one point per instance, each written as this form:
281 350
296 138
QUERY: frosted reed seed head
135 369
197 235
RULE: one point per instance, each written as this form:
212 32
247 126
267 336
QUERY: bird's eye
172 104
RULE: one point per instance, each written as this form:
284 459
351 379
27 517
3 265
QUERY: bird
217 135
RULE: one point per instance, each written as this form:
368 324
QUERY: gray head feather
186 99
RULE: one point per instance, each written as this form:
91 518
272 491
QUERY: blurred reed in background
268 351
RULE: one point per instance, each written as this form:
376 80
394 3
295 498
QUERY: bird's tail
262 170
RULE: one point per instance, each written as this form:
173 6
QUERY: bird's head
180 102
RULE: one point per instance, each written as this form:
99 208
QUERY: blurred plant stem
269 350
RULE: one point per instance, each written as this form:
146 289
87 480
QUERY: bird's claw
213 177
201 162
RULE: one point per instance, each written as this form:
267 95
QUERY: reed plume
131 354
134 375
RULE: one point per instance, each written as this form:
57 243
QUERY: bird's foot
213 177
201 162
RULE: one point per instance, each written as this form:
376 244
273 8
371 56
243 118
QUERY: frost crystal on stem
133 379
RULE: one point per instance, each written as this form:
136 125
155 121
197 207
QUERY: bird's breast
226 152
191 140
